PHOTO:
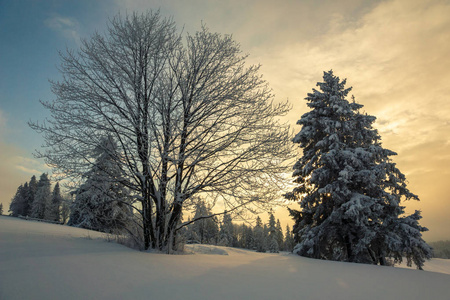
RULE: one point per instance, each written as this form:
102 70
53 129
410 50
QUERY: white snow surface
47 261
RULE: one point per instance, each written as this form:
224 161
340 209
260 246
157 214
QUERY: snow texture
47 261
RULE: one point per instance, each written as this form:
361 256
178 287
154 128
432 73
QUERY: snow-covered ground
46 261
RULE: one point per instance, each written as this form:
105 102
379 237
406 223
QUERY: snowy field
46 261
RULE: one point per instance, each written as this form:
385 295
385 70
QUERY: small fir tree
1 209
350 190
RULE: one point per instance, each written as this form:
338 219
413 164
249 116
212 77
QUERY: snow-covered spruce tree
189 116
102 203
31 193
41 201
54 210
350 190
17 205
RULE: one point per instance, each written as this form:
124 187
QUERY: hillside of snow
46 261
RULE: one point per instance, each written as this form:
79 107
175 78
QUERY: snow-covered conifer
272 243
259 236
226 236
18 202
42 198
101 202
350 190
54 210
279 234
288 240
249 239
31 193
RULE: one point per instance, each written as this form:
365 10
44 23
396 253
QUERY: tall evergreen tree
25 204
279 235
31 193
226 235
350 190
249 237
242 239
16 206
288 240
42 198
1 209
259 236
54 210
102 202
272 242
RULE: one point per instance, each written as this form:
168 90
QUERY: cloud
15 167
29 165
396 58
67 27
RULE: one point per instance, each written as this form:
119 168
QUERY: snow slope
46 261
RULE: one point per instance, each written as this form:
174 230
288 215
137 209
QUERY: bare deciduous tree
188 115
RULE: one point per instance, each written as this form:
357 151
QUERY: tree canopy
188 117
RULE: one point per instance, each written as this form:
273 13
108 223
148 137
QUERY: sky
395 55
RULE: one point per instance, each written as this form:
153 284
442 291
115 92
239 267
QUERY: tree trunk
174 219
348 245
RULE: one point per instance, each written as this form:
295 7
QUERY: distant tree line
36 199
261 237
441 249
99 203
